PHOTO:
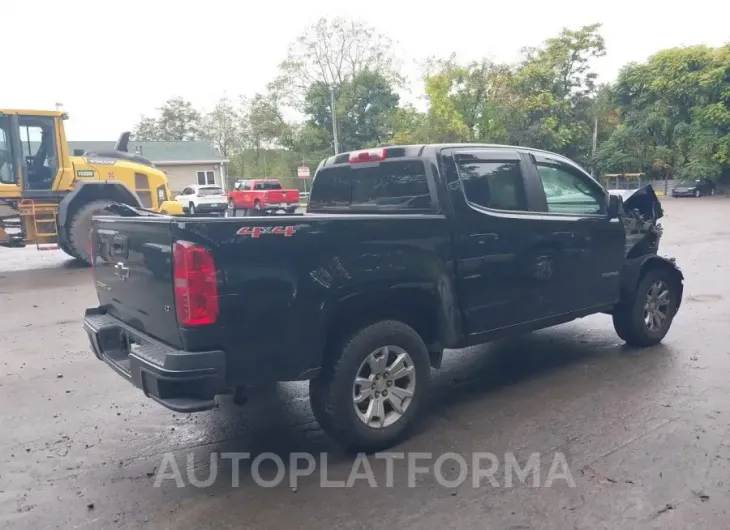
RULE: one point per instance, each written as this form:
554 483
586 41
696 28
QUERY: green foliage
676 107
668 116
176 120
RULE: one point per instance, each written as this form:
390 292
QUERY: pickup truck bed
403 252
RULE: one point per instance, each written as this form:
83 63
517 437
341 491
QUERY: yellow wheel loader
48 197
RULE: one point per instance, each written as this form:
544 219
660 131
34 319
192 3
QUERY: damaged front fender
641 211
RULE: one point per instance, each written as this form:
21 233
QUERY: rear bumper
280 206
683 193
181 381
222 207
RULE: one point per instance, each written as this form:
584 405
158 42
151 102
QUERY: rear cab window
267 185
396 185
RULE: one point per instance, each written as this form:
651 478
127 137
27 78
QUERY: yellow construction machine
48 196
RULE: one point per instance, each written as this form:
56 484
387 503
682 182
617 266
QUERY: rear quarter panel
282 279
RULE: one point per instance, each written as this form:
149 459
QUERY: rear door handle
483 238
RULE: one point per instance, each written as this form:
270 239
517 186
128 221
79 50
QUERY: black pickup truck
403 252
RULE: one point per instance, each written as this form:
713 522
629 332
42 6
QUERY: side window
568 191
7 173
186 191
493 184
258 186
246 185
38 141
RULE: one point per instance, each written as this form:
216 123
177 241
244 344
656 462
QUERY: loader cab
31 157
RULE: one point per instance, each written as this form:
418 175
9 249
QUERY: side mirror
614 207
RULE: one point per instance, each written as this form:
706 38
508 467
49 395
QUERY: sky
108 62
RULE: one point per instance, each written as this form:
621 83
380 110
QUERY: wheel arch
635 269
86 192
418 306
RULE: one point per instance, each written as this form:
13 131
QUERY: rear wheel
79 228
712 191
370 395
291 210
646 320
697 193
67 250
231 212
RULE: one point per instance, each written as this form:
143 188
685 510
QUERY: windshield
206 192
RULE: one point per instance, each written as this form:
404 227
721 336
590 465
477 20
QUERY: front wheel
191 209
646 320
370 395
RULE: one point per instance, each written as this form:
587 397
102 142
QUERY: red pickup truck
262 196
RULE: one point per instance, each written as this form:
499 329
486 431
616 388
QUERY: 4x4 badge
257 231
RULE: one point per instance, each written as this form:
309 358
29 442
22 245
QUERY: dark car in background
696 188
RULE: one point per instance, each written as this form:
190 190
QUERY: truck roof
25 112
397 151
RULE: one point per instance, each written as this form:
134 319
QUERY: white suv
203 199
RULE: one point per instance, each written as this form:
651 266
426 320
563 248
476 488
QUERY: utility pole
334 121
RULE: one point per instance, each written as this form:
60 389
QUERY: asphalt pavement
644 434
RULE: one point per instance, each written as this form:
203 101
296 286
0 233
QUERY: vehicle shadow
280 421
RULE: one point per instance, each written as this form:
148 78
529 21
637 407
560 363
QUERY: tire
66 249
79 227
191 209
332 393
231 208
291 210
698 193
712 191
630 320
257 208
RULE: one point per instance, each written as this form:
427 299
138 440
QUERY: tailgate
274 196
291 196
133 275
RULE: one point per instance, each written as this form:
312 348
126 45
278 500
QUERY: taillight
368 155
196 284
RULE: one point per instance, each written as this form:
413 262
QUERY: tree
147 130
675 108
223 127
556 87
365 106
177 120
332 53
